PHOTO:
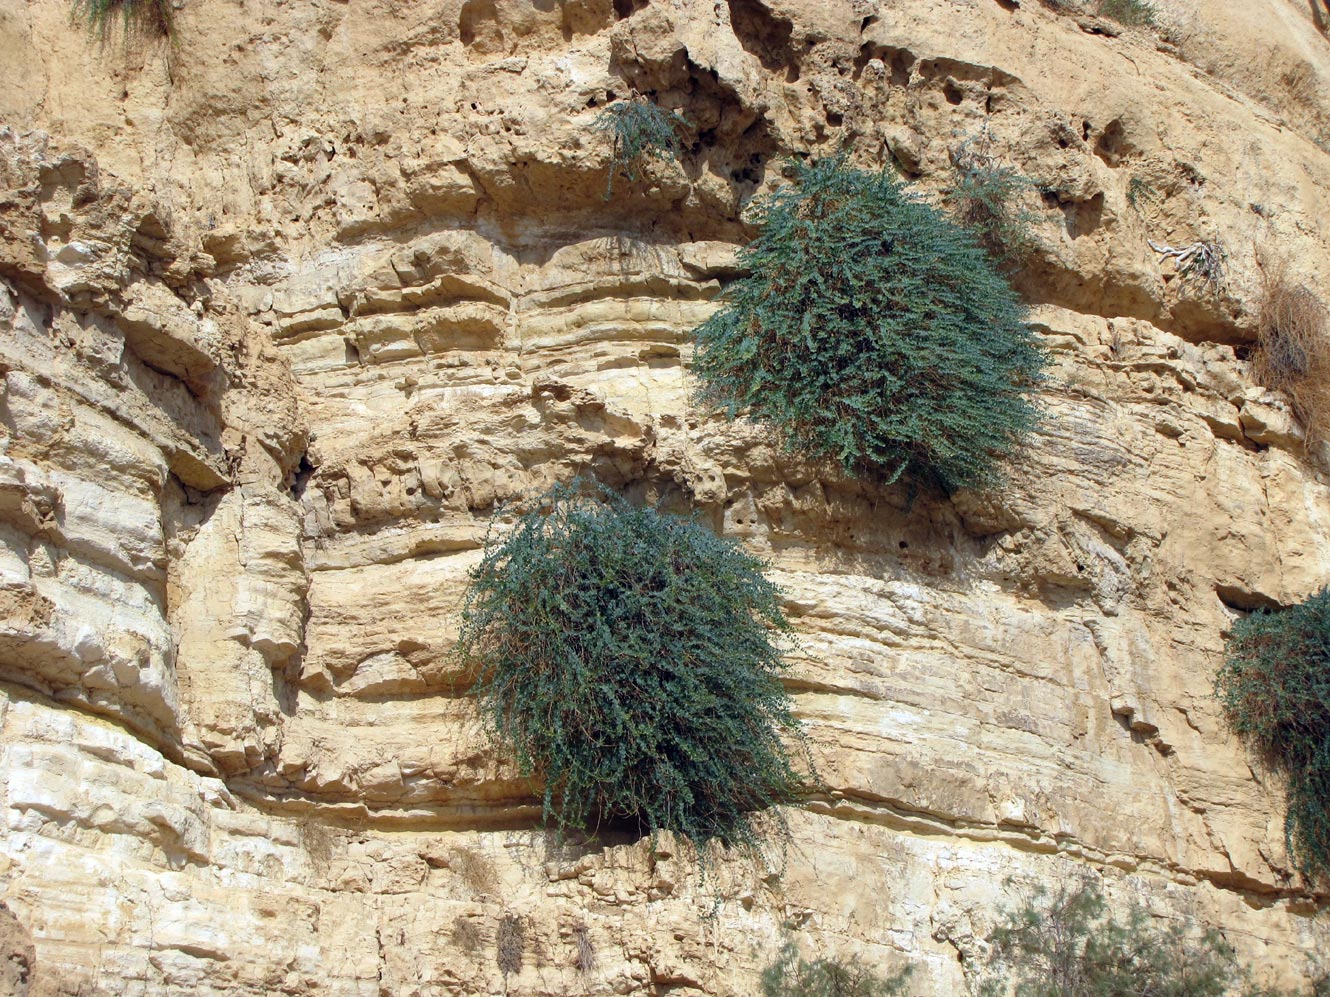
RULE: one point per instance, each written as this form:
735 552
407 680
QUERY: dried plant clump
1132 13
466 935
1200 262
319 842
1293 350
509 945
474 869
585 958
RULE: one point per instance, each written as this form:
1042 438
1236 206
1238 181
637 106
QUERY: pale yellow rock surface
288 310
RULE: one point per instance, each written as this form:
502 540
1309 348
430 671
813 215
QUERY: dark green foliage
1275 688
872 330
987 200
1140 192
1068 944
640 128
629 658
1132 13
791 976
137 18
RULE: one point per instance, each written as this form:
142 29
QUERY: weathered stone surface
341 279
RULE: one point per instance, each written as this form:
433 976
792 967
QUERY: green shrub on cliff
631 660
1275 688
987 199
1068 942
137 18
872 330
791 976
640 129
1132 13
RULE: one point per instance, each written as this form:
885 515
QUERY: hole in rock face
478 26
624 9
304 471
952 92
1244 600
1083 217
764 35
1112 144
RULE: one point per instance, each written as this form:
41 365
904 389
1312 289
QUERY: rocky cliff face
289 308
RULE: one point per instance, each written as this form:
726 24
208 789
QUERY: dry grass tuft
586 952
466 935
319 842
1293 351
475 870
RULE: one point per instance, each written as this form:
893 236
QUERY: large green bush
632 660
873 330
1067 943
1275 688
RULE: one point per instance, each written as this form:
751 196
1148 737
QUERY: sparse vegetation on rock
1275 688
872 330
1201 262
986 198
1132 13
640 129
136 18
1067 941
632 660
792 976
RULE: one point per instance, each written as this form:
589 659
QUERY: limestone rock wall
289 308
